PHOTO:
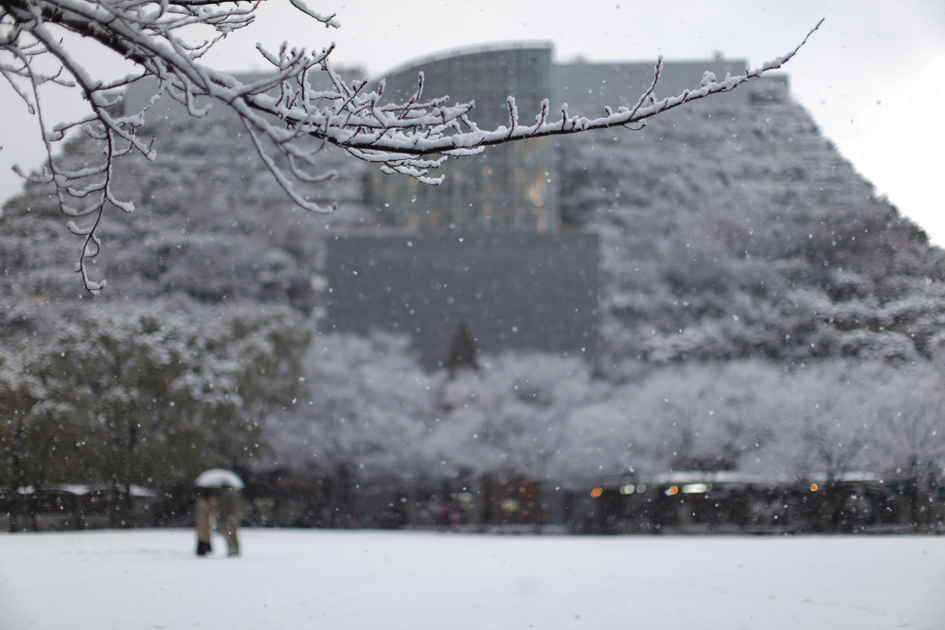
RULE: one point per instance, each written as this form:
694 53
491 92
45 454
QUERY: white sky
871 77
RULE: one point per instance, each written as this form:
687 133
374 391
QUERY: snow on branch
166 39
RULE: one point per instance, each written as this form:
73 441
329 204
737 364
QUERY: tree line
135 396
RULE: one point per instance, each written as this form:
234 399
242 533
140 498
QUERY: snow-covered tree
165 40
910 434
738 231
139 396
514 415
39 443
363 416
707 417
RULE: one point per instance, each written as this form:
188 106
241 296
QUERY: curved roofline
467 50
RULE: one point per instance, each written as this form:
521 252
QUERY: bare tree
166 39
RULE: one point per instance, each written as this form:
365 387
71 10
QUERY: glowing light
627 489
596 492
814 487
671 491
696 488
641 488
510 505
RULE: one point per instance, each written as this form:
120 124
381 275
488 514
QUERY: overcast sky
872 76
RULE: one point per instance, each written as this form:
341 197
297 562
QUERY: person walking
231 513
203 514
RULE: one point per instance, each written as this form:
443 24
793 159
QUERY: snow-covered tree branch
165 40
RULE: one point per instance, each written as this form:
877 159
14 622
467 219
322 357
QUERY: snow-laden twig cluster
165 40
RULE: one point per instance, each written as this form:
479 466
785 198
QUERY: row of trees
371 408
136 397
139 396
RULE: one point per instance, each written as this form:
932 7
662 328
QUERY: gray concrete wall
521 291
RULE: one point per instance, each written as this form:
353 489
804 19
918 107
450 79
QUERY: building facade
483 256
521 291
509 188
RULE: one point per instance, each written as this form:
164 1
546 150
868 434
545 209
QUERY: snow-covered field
288 579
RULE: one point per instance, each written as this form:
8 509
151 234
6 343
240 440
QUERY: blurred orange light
673 490
596 492
813 487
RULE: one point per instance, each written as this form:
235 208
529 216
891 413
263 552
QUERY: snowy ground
292 579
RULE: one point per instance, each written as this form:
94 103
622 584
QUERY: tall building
508 188
484 261
514 187
484 256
